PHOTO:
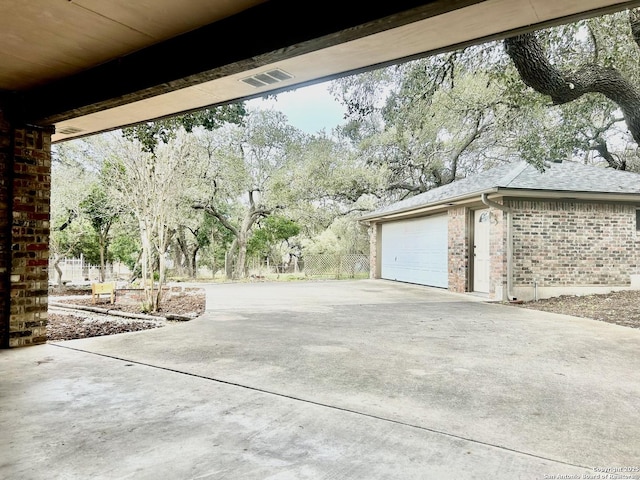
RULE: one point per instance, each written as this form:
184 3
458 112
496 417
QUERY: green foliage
205 233
580 128
272 231
344 235
328 178
238 175
150 134
77 239
411 127
125 247
435 119
216 245
99 208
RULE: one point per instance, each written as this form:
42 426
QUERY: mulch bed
73 326
621 308
81 324
183 305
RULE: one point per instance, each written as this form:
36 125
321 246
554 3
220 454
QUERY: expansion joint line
332 407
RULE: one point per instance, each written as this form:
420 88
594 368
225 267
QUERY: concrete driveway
339 379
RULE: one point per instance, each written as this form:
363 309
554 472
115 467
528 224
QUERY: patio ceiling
88 66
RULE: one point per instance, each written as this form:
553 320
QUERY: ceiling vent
69 130
267 78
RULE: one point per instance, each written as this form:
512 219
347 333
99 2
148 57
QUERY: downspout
489 203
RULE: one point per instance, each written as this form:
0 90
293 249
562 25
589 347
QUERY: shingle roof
563 176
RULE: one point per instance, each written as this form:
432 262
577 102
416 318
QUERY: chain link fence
337 266
353 265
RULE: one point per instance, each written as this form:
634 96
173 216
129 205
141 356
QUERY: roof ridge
511 175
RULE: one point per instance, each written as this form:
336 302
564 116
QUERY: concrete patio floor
339 379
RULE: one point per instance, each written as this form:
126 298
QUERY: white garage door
416 251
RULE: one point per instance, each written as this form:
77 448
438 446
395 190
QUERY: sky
311 109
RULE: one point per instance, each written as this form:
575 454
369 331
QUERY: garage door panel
416 251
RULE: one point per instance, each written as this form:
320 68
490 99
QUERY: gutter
417 210
568 195
506 296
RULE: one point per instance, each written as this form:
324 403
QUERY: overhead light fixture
267 78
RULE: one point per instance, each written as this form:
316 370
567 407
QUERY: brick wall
25 161
373 245
375 231
459 249
560 243
498 251
6 186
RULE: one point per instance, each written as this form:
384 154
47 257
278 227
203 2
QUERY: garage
416 251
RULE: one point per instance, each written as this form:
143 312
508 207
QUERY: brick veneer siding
375 232
498 252
5 228
560 243
459 249
25 161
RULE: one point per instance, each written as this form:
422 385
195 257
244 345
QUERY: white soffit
464 25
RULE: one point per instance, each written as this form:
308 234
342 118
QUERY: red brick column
25 163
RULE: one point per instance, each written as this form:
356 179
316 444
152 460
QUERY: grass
272 277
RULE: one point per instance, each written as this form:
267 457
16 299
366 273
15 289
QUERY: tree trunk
102 244
240 271
146 278
102 266
228 259
137 268
241 235
185 254
193 273
56 266
161 280
242 238
164 235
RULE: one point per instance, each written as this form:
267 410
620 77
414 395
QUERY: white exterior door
416 251
481 253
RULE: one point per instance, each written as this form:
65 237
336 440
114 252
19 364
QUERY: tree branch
194 231
258 213
634 23
214 213
353 210
600 146
594 40
537 72
475 132
407 186
72 215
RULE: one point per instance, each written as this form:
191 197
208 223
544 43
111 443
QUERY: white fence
76 270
